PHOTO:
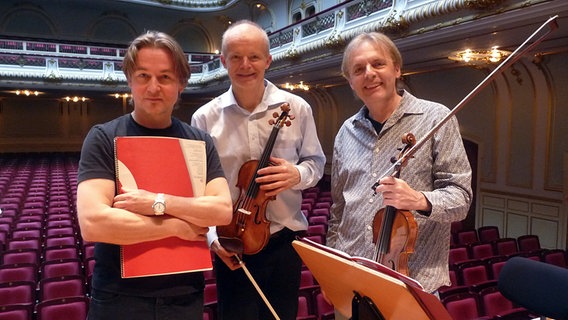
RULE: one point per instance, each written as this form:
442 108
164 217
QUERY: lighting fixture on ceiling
120 95
26 92
474 56
296 86
76 99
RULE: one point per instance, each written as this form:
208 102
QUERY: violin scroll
282 119
409 140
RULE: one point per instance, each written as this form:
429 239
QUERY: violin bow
255 285
512 58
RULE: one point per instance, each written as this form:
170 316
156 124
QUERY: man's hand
278 177
226 256
135 200
189 231
397 193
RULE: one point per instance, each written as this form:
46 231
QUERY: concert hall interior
60 74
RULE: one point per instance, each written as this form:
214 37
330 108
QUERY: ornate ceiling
427 32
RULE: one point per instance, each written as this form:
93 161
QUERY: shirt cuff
303 172
212 235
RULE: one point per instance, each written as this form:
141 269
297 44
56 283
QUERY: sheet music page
196 160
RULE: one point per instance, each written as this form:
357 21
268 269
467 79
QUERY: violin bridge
244 211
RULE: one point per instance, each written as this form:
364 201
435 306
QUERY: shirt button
369 228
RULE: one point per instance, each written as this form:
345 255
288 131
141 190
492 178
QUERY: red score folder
172 166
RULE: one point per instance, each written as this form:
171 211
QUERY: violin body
396 231
249 223
249 230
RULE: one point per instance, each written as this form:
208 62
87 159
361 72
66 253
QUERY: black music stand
344 278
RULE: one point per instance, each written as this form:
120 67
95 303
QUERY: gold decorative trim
395 24
482 4
334 40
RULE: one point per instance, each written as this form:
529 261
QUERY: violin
249 230
394 230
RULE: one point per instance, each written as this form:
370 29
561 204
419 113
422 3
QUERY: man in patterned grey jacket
436 183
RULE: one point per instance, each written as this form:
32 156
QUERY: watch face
159 207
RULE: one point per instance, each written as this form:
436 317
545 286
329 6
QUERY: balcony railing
21 58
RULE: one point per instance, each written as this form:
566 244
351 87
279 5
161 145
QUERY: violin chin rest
235 245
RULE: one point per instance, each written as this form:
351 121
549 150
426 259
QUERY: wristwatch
159 205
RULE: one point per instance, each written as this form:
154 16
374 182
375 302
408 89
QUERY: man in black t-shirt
157 72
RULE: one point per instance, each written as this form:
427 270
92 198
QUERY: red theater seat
18 272
63 308
17 292
528 243
61 287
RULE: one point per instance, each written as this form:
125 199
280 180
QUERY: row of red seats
316 204
476 259
488 303
44 265
525 244
460 235
474 293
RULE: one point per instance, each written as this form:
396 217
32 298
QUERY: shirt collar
272 97
406 107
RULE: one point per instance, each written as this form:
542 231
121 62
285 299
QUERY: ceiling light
118 95
297 86
471 56
26 92
76 99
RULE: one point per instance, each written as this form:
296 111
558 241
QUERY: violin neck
263 161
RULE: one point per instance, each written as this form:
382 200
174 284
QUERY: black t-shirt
97 162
